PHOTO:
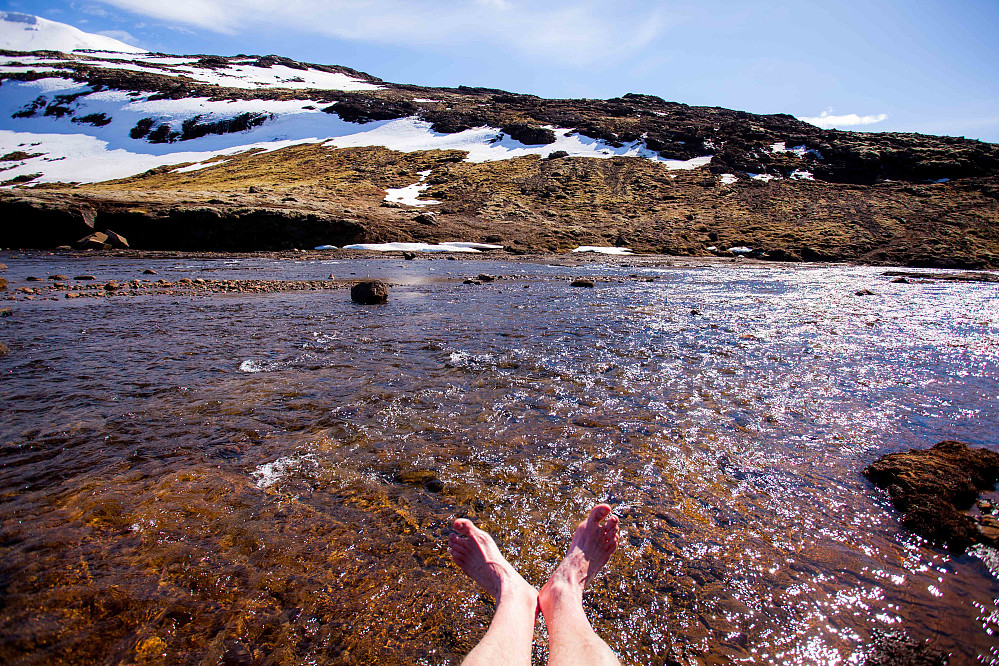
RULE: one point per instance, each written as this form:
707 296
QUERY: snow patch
801 174
729 178
409 195
423 247
604 250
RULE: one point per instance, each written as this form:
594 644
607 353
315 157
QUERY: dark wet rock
4 349
557 155
427 218
111 285
3 284
933 487
485 277
369 292
58 277
32 278
901 280
695 311
895 648
84 278
149 271
409 256
865 292
582 282
6 312
471 281
420 477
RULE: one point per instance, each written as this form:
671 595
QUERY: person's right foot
476 554
591 548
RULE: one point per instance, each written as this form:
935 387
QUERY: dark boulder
369 292
933 487
532 135
582 282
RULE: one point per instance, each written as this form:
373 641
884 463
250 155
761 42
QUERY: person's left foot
475 553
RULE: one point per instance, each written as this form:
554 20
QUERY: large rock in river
933 487
369 292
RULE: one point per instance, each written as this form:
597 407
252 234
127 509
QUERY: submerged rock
933 487
582 282
895 648
369 292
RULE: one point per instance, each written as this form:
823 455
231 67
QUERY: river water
270 478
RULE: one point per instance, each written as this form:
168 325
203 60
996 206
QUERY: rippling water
271 478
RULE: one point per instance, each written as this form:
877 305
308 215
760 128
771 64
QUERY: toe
463 526
598 513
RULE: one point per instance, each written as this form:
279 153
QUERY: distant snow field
67 150
26 32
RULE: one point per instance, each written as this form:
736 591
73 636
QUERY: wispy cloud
575 32
826 120
121 36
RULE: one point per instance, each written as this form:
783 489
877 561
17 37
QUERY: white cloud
568 31
826 120
121 36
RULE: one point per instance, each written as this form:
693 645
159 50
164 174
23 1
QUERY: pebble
85 277
32 278
58 277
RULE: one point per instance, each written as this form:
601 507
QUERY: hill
263 152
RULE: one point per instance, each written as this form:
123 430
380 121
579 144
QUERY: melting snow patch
603 250
740 249
410 194
729 178
487 144
765 177
325 247
423 247
801 174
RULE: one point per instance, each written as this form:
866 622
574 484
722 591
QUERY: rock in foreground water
369 292
933 487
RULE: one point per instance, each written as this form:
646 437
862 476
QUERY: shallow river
270 478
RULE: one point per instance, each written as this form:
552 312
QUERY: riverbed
271 477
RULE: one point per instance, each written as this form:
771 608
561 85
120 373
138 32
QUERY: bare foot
475 553
591 548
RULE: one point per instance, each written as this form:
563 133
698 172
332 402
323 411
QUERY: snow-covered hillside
56 125
26 32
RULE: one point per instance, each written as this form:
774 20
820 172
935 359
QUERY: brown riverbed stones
934 487
369 292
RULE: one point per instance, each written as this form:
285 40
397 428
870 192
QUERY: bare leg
508 639
571 638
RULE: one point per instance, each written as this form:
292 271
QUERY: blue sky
915 66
